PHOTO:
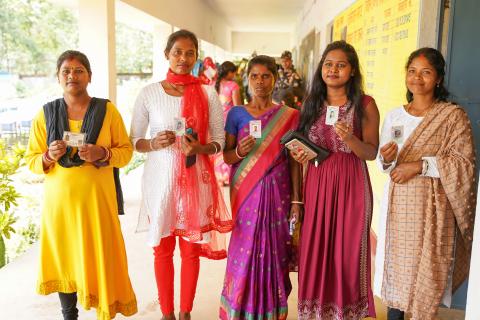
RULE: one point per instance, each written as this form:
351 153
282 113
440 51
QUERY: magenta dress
334 262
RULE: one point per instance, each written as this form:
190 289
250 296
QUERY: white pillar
97 40
473 297
160 37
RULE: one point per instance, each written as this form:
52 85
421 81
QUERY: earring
438 85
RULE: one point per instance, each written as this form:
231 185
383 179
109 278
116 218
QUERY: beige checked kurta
430 220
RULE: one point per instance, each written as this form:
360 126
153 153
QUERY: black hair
286 55
435 58
266 61
224 69
181 34
317 95
77 55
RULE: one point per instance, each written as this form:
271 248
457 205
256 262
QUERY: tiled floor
18 300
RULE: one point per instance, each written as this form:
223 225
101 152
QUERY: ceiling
258 15
245 15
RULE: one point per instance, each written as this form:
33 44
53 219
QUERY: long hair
317 95
224 69
435 58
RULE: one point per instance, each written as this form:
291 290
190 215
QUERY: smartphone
191 132
190 161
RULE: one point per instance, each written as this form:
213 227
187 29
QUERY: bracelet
382 160
215 146
388 163
296 202
151 145
238 155
47 157
108 155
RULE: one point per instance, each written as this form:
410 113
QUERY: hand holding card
319 153
389 152
296 145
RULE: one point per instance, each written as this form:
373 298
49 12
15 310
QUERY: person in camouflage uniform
288 79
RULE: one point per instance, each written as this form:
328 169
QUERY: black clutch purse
294 140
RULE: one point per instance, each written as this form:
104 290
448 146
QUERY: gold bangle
296 202
151 145
108 155
237 154
215 146
47 157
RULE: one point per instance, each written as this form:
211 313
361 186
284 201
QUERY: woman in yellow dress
82 252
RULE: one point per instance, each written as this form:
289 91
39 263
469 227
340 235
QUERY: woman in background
229 94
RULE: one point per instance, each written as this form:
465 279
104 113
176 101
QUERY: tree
10 161
32 35
134 49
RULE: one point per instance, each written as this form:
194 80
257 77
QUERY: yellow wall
384 33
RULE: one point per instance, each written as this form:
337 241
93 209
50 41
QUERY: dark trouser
69 305
395 314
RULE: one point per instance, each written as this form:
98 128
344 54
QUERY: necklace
174 88
409 110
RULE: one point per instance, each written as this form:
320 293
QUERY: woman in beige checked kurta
430 214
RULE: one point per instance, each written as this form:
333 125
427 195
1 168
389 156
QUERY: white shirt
399 117
156 109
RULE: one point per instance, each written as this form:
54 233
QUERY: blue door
463 76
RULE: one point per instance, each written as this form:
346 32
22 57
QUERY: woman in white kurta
156 109
400 123
180 200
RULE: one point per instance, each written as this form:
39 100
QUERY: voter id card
256 128
332 115
397 134
74 139
179 126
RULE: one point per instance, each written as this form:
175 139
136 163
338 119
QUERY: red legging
164 273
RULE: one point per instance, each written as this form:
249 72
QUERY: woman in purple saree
264 183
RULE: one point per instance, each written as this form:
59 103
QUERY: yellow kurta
81 243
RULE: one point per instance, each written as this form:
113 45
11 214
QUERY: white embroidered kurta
156 109
397 117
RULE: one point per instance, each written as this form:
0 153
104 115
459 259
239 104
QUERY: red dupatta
188 181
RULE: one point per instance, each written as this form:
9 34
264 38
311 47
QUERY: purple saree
256 281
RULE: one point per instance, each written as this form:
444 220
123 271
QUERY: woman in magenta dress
334 262
229 94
